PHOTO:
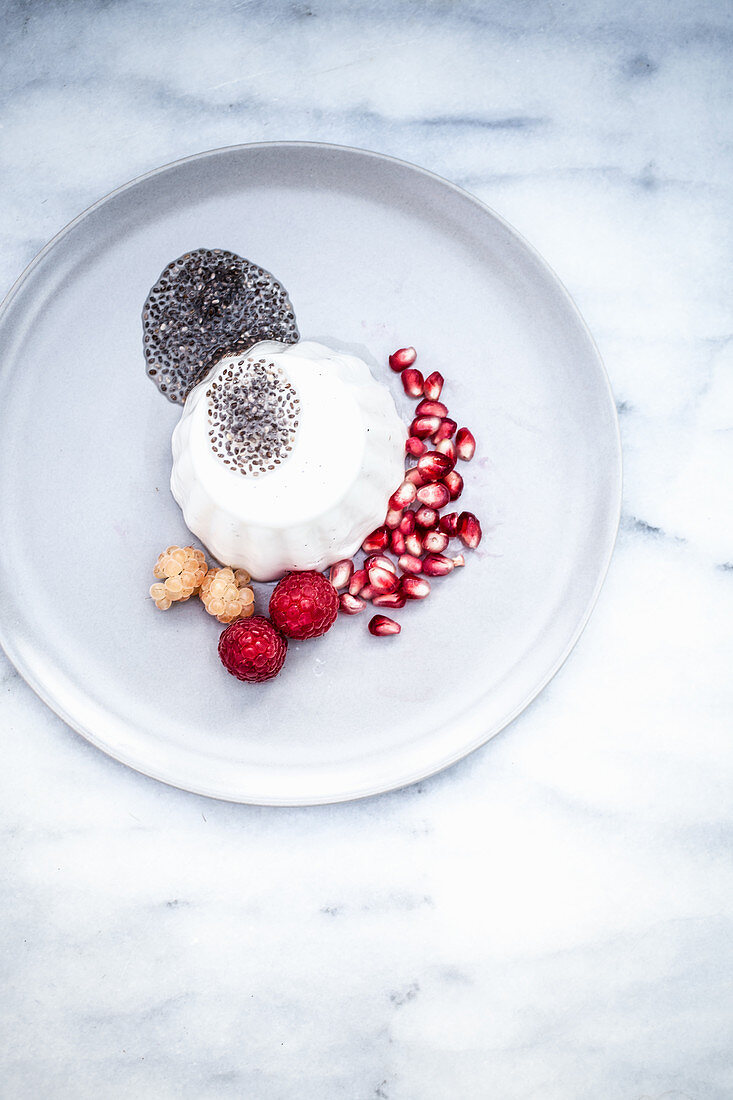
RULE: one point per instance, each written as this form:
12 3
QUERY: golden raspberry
181 570
226 595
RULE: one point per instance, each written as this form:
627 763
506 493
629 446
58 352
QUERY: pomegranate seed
397 543
404 495
390 599
357 582
459 560
433 385
415 477
380 626
409 563
433 466
435 542
413 382
403 357
465 444
413 545
351 605
414 588
415 446
469 530
448 448
407 526
454 484
431 408
368 592
435 496
377 541
449 524
427 518
393 518
423 426
383 580
381 561
341 573
436 565
445 429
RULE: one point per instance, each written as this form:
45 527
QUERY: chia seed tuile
206 302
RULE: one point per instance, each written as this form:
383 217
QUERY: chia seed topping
253 412
206 302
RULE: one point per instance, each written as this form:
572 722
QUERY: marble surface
552 918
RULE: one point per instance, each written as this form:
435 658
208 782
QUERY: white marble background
552 918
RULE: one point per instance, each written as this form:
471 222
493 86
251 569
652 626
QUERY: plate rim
615 506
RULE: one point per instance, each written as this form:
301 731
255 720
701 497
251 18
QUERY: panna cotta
285 457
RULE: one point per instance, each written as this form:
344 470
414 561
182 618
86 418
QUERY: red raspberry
252 649
304 605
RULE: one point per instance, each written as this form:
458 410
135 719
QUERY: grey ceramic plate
376 254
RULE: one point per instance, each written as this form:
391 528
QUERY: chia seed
254 413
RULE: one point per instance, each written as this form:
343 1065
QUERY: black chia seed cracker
207 302
253 412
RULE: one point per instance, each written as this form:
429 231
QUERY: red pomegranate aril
351 605
383 580
409 563
407 524
403 357
465 444
393 518
448 448
431 408
423 426
433 466
397 543
377 541
469 530
413 382
341 573
459 560
437 565
445 429
389 599
357 582
415 477
414 588
427 518
404 495
435 495
449 524
413 544
381 561
381 626
435 542
433 386
454 484
415 447
368 592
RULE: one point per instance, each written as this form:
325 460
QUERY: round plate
375 254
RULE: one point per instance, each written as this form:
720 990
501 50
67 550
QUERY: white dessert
309 448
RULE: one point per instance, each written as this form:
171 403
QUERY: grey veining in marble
552 919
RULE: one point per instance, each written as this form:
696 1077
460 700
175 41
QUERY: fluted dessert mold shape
329 490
